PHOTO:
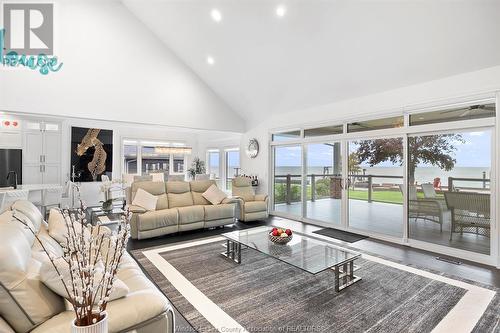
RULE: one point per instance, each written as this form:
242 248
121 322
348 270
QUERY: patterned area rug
266 295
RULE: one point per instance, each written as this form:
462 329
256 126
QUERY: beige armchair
251 206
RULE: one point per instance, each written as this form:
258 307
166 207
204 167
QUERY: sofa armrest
136 209
261 197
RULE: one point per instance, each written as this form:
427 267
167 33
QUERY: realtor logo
29 28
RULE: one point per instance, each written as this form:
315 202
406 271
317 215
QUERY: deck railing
335 188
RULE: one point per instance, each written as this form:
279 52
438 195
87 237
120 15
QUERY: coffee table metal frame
343 271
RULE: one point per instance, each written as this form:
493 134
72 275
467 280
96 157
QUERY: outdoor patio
386 218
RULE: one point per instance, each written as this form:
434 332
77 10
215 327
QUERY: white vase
99 327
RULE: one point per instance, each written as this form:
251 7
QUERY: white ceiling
322 51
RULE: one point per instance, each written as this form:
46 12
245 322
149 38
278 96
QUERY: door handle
40 168
41 159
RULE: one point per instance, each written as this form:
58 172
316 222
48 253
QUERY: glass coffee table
309 254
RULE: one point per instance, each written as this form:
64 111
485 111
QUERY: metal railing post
484 179
288 189
450 184
370 181
313 187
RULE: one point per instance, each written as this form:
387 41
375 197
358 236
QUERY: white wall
114 69
433 92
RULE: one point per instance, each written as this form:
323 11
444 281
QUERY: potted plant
93 258
197 167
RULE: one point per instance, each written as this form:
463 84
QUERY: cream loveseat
180 206
252 206
27 305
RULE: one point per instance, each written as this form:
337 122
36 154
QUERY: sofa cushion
157 219
198 187
145 200
30 211
255 206
50 277
214 195
19 275
5 327
180 200
191 214
177 187
143 302
218 212
58 229
155 188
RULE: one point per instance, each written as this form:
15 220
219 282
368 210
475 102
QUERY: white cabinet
42 153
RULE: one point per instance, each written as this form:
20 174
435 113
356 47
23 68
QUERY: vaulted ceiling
320 52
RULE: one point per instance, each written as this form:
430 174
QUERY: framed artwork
91 154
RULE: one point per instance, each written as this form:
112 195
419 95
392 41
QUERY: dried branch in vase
93 257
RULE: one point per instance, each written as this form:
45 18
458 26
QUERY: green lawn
381 196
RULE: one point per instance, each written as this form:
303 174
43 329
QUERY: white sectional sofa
180 206
27 305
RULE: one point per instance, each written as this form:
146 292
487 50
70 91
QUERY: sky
475 152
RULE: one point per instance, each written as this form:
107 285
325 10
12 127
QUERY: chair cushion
214 195
219 212
191 214
145 200
246 193
255 206
157 219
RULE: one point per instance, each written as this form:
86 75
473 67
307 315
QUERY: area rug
266 295
340 234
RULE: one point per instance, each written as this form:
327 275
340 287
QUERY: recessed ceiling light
216 15
210 60
280 11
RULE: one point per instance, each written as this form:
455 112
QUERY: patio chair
430 193
425 209
470 212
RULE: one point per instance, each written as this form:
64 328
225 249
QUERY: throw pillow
214 195
145 200
58 229
52 280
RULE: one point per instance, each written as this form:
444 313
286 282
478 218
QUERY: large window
213 165
449 189
288 180
232 166
375 178
425 178
144 157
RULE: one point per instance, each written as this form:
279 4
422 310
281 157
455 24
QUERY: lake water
422 174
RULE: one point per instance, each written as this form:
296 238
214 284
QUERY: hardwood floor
406 255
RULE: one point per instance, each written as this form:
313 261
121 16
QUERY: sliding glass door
449 189
287 196
375 178
324 182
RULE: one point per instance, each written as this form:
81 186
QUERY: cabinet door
32 174
52 174
52 147
33 147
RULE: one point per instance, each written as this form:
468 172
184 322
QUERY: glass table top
304 252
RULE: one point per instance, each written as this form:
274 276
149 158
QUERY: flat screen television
11 160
